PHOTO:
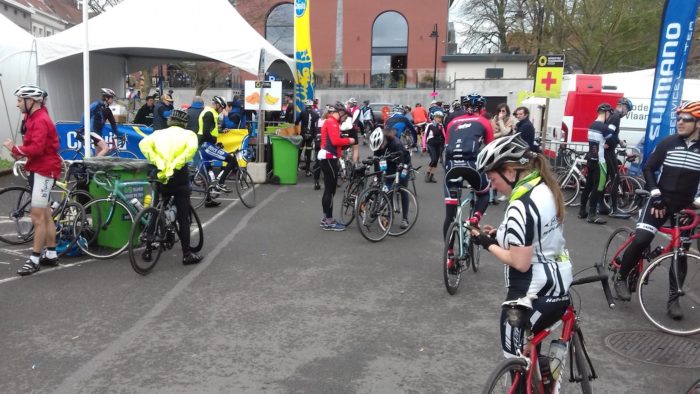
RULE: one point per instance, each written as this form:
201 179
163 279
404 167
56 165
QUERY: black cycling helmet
179 116
338 107
626 102
605 107
473 100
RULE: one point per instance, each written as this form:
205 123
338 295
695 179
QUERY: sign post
548 82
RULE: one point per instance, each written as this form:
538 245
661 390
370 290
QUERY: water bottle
171 214
212 177
136 203
557 352
404 172
54 205
147 200
545 372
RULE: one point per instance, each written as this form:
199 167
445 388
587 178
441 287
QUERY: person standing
161 111
331 146
367 118
145 114
317 146
502 123
598 135
289 110
624 105
40 147
100 114
308 119
208 135
434 139
525 128
193 113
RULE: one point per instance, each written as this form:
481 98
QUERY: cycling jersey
614 127
531 220
464 136
366 114
400 123
678 163
40 145
331 141
598 134
393 145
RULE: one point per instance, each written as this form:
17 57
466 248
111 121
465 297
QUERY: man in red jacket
40 147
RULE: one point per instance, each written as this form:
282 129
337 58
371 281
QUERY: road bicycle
531 371
460 250
205 174
19 171
116 148
155 230
350 193
373 207
673 265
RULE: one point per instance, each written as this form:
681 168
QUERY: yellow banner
304 86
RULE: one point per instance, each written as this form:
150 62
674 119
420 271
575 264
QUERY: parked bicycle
533 372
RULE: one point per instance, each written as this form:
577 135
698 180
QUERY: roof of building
486 57
61 9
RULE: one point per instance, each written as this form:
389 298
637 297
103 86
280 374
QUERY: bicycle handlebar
601 277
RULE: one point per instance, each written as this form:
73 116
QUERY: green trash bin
116 233
285 160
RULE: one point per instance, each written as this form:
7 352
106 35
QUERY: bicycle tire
583 373
658 287
514 370
347 208
199 186
71 216
373 208
474 254
626 196
194 218
245 188
146 235
72 154
124 154
570 187
397 211
93 227
451 266
16 226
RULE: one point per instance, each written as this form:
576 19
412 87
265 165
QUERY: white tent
17 66
120 43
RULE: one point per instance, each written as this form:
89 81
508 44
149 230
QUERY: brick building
361 43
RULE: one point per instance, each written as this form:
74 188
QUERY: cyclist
384 143
677 159
170 150
434 106
331 146
434 139
530 240
356 127
40 147
624 105
400 122
367 118
464 136
99 115
457 110
598 136
308 119
210 150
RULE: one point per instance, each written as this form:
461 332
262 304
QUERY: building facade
42 18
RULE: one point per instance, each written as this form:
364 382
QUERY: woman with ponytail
530 241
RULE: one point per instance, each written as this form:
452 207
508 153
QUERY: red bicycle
532 372
679 270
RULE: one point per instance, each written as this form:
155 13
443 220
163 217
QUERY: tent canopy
212 29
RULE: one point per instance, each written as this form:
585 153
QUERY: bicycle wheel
196 233
474 254
612 254
145 238
509 377
72 216
245 188
653 293
72 154
347 208
397 209
626 196
199 185
373 214
583 373
103 218
452 265
125 154
570 187
15 217
406 140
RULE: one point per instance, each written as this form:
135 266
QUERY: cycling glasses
686 118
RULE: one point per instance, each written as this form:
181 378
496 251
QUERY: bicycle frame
115 187
459 219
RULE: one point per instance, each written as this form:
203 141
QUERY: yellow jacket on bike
169 149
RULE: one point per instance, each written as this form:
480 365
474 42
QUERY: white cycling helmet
376 139
30 92
438 113
352 100
106 92
504 150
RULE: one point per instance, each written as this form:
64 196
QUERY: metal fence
411 78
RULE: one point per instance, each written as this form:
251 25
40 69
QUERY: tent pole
86 84
261 113
13 132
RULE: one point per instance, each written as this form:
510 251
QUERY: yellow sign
549 75
304 87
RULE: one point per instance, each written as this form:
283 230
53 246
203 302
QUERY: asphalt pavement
280 306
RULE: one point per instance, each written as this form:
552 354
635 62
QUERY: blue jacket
400 123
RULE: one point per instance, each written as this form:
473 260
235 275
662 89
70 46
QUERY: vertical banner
678 24
304 84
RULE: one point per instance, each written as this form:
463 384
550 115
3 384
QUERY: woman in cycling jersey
530 241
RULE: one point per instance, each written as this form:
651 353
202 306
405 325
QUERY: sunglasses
687 119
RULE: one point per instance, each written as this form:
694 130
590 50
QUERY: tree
488 23
204 74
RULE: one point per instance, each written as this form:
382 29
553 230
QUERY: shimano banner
674 46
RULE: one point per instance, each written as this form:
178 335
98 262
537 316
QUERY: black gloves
485 240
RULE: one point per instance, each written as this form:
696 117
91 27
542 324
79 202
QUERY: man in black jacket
525 127
624 105
145 114
161 112
308 119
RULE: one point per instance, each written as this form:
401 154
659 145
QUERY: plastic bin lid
106 163
294 139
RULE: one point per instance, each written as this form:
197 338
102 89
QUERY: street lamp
435 35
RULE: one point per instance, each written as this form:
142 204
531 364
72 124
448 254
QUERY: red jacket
40 145
331 141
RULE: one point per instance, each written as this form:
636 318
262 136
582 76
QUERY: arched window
279 28
389 50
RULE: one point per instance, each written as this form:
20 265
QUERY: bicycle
116 148
373 208
627 202
155 230
19 171
460 250
203 180
350 193
531 372
653 294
